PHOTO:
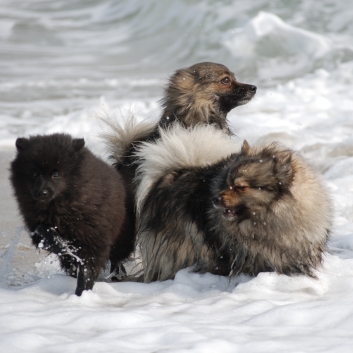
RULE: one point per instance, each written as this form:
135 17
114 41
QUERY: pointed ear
284 156
77 144
245 148
22 144
283 167
182 80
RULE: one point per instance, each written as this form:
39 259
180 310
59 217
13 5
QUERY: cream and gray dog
203 93
203 201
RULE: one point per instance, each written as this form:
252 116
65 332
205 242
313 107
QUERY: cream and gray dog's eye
226 81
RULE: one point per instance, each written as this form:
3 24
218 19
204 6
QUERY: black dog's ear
283 167
77 144
22 144
245 148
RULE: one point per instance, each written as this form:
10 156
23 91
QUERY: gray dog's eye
226 81
56 174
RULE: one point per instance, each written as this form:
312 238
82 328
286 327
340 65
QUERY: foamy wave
274 48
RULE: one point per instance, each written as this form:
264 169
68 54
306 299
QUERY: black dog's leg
85 279
69 265
46 238
67 253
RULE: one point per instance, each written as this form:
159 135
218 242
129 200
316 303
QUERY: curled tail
124 134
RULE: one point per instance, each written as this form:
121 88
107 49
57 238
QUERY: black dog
202 202
73 203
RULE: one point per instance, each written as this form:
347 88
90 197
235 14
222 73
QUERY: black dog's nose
253 88
43 193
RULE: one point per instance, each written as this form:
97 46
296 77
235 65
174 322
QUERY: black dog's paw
47 238
43 237
40 230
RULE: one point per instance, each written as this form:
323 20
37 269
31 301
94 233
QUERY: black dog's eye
226 81
56 174
35 175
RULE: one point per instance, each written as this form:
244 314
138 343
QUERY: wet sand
9 216
17 255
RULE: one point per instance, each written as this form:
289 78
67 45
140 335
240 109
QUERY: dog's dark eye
35 175
226 81
56 174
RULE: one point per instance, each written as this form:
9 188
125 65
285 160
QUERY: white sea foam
63 62
281 50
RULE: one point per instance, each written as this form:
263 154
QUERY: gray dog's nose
217 200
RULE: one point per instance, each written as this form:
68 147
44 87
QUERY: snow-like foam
62 63
275 48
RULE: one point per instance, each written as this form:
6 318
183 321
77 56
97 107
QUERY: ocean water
62 62
62 59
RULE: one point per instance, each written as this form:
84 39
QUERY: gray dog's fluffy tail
123 133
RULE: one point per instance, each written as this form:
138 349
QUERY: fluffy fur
228 211
201 146
73 203
201 94
121 141
204 93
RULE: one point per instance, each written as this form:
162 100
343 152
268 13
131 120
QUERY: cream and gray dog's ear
283 167
245 148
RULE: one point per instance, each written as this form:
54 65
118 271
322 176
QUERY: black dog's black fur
74 205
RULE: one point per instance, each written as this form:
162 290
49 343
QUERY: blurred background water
61 61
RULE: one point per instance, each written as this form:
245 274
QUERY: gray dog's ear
245 148
284 157
22 144
77 144
283 167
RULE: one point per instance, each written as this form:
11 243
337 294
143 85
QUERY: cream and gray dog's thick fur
203 201
203 93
